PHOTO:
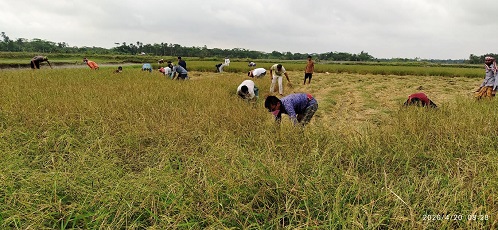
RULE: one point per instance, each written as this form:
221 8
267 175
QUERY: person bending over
247 90
258 72
35 62
91 64
300 107
419 99
182 73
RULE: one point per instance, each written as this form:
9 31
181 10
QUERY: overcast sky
431 29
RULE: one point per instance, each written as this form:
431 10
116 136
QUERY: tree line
37 45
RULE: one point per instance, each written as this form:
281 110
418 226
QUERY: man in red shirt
420 99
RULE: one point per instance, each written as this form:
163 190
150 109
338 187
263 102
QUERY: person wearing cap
35 62
178 69
247 90
276 73
487 89
308 71
419 99
258 72
93 65
182 63
299 106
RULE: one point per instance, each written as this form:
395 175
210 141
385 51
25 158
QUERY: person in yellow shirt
277 71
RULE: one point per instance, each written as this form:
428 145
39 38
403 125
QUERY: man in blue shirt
182 73
147 67
300 107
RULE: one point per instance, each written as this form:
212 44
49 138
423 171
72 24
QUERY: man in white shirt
166 71
247 90
276 73
227 63
258 72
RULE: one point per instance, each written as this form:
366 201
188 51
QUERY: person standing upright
276 73
488 87
182 63
308 71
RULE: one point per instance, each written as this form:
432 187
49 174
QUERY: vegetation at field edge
93 149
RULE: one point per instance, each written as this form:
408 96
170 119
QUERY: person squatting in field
300 107
177 69
35 62
487 89
91 64
247 90
276 72
258 72
419 99
308 71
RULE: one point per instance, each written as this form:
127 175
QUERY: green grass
21 60
92 149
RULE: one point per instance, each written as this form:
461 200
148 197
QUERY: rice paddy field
84 149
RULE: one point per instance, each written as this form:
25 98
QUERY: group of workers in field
300 107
